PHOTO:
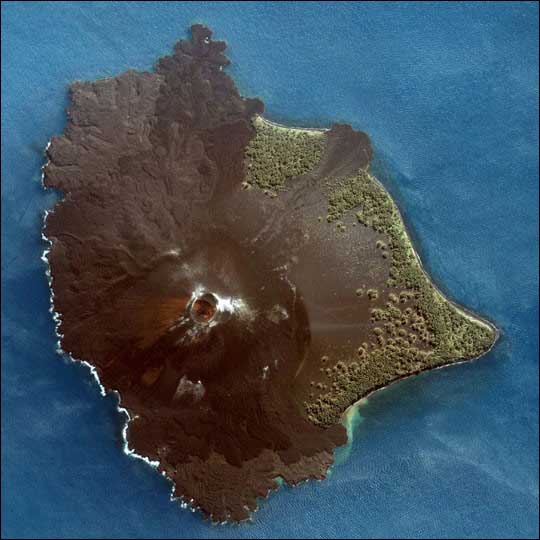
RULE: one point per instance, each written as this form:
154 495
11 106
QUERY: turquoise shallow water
449 95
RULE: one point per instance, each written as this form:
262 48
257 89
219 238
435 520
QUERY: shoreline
310 130
347 417
93 372
463 311
469 314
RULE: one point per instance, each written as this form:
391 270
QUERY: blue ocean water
449 94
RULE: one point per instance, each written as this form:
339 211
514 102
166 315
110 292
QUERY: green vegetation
372 294
414 327
430 331
277 153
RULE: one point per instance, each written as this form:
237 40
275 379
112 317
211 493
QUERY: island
238 283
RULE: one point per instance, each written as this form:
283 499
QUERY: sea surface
449 95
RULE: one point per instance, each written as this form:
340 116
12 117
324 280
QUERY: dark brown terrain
236 324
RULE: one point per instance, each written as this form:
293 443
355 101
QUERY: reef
238 283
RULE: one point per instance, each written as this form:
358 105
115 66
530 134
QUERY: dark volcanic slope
222 314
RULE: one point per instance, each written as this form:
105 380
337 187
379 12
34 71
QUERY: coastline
266 121
469 314
93 372
444 454
347 417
